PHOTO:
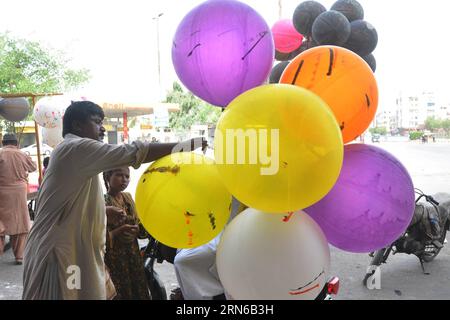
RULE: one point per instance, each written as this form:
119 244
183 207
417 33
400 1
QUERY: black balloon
281 56
370 59
14 109
363 38
352 9
307 44
304 16
331 28
277 71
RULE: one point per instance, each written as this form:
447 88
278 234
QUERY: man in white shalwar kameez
65 249
196 268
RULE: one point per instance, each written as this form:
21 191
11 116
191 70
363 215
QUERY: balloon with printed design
52 136
285 36
371 204
305 14
221 49
181 200
278 148
331 28
363 38
49 111
351 9
263 256
343 80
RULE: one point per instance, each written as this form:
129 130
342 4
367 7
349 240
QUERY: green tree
379 130
27 67
192 109
446 125
431 123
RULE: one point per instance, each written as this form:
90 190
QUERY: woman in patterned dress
122 256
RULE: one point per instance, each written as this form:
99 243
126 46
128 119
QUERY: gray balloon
281 56
291 55
331 28
370 59
14 109
304 16
352 9
363 38
277 71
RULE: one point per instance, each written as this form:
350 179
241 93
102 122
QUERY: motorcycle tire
379 257
429 258
155 285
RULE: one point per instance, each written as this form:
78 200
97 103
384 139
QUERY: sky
116 40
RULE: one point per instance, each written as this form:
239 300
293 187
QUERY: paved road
401 277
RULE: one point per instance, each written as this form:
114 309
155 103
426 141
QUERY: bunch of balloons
279 149
372 202
343 25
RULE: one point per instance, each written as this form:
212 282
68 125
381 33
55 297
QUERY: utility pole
280 9
157 46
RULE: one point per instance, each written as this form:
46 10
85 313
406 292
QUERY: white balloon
264 256
48 111
52 136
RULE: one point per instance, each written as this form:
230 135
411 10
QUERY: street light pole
280 9
157 46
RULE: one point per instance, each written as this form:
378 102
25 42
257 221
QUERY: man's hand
193 144
115 216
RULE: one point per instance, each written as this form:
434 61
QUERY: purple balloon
221 49
371 204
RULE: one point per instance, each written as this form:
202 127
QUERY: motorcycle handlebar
427 197
430 199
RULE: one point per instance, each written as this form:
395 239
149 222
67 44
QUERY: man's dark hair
9 139
80 111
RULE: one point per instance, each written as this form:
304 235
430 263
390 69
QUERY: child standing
122 256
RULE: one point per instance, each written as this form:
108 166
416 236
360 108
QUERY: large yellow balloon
181 200
341 78
278 148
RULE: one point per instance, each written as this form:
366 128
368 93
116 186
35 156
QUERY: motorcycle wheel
428 257
155 286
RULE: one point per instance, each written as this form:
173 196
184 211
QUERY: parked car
376 138
32 150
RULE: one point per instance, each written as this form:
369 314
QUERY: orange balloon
341 78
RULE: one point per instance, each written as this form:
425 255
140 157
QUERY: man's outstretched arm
159 150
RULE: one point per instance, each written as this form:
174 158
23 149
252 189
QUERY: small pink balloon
286 37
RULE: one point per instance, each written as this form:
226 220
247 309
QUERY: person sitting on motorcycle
196 270
122 256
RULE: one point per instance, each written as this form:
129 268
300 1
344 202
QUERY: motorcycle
425 236
158 252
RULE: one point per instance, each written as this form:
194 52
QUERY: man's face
93 128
